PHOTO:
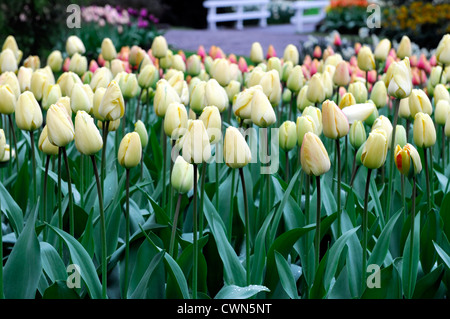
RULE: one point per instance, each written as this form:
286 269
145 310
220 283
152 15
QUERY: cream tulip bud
335 123
242 105
39 81
366 60
55 60
271 85
78 64
178 63
101 78
375 149
129 86
404 48
139 127
347 100
148 76
296 79
256 53
159 47
196 148
108 50
287 135
383 123
197 97
424 132
403 109
74 45
291 54
400 136
236 152
82 98
262 113
254 77
116 66
372 118
60 127
398 79
98 96
8 61
313 155
28 112
316 115
382 50
379 94
359 91
357 135
419 102
24 77
112 105
182 178
175 120
10 43
302 101
7 100
304 124
44 144
327 84
88 140
130 150
441 112
213 123
216 95
10 79
66 82
232 89
193 65
50 95
441 93
64 101
165 94
443 50
341 76
286 70
274 63
316 90
166 61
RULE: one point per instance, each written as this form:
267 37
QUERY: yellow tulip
28 112
341 76
316 90
291 54
302 101
304 124
316 115
7 100
165 95
50 95
398 79
236 152
287 135
366 60
379 94
193 65
82 98
358 112
382 122
271 85
130 150
221 71
196 148
74 45
242 105
159 47
403 110
101 78
443 50
256 53
8 61
60 127
24 76
424 132
335 123
139 127
10 43
441 113
78 64
262 113
108 50
88 140
55 60
419 102
2 143
313 155
216 95
44 144
182 179
406 156
441 93
404 48
148 76
213 123
375 149
357 135
112 105
296 79
10 79
359 91
382 49
66 82
347 100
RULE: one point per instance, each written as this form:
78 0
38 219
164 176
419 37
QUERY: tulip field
154 173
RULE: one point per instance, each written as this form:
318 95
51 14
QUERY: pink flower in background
66 64
183 56
201 52
372 76
242 64
413 60
93 65
232 58
271 52
433 60
357 47
317 52
337 39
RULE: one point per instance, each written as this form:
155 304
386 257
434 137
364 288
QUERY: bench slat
231 3
235 16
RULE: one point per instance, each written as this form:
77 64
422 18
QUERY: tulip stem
82 180
354 168
14 141
403 196
338 153
407 129
346 158
195 243
127 233
247 226
443 147
33 162
164 145
103 164
47 163
413 217
174 226
442 72
217 184
317 238
391 163
230 217
286 167
69 187
202 199
102 227
137 115
60 215
307 187
431 176
365 221
427 175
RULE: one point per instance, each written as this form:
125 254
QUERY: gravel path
234 41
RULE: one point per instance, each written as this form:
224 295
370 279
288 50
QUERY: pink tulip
242 64
317 52
337 39
433 61
93 65
66 64
413 61
201 52
372 76
232 58
357 47
271 52
183 56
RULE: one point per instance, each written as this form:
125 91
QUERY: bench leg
239 24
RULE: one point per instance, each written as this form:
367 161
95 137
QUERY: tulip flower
327 84
128 84
286 70
82 98
55 61
232 89
314 157
148 76
274 63
400 136
221 71
291 54
216 95
295 79
7 100
375 149
256 53
159 47
302 101
419 102
74 45
112 106
101 78
366 60
398 79
271 85
10 79
139 127
88 140
130 150
28 112
316 115
379 94
441 93
316 90
24 77
8 61
10 43
404 110
359 91
262 113
357 135
424 130
254 77
242 105
382 49
305 124
198 97
347 100
213 123
236 152
341 76
404 47
66 82
2 143
335 123
45 145
108 50
60 127
78 64
196 147
443 50
288 135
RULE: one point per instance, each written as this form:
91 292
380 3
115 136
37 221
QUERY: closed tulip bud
198 97
383 123
2 143
316 90
274 63
316 115
196 148
117 66
327 85
130 150
341 76
403 110
60 127
374 153
112 106
419 102
136 55
347 100
254 77
357 135
101 78
424 132
287 95
305 124
441 93
10 43
82 98
24 77
159 47
74 45
242 105
216 95
379 94
295 80
193 65
65 103
66 82
148 76
207 62
232 89
129 86
98 96
28 112
88 140
400 136
359 91
288 135
407 160
313 155
443 50
236 152
166 61
335 123
44 144
271 85
262 113
404 48
10 79
39 81
7 100
139 127
178 63
108 50
291 54
302 101
366 60
382 50
175 120
286 70
8 61
78 64
87 77
398 79
442 111
256 53
213 123
358 112
435 76
55 61
182 178
164 95
50 95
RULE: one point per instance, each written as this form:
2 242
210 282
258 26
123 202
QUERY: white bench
239 14
307 23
